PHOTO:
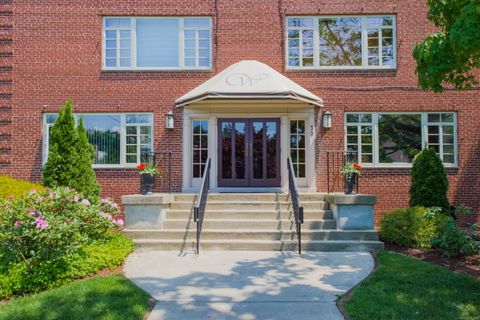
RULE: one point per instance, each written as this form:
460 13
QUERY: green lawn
405 288
112 297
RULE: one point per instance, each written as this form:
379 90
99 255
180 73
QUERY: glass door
249 153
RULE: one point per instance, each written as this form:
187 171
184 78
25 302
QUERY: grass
103 298
405 288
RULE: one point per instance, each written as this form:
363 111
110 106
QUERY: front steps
253 222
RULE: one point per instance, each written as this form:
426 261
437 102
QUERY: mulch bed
469 265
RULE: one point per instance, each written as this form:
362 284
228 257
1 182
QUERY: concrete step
264 224
249 205
250 197
181 234
250 214
260 245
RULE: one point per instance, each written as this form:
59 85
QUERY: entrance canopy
249 79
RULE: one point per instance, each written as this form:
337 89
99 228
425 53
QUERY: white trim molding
213 112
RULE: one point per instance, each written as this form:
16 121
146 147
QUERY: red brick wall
57 54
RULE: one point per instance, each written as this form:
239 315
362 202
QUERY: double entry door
249 153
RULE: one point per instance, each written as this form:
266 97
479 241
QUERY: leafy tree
86 182
450 55
429 181
70 156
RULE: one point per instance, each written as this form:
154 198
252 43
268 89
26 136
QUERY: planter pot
146 183
350 181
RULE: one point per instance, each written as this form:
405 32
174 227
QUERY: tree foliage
86 182
70 156
429 181
450 55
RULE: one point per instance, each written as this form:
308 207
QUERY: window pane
449 158
300 22
340 41
352 130
131 158
447 129
51 118
139 118
399 137
433 117
204 62
103 133
197 22
433 129
157 42
447 117
353 118
117 22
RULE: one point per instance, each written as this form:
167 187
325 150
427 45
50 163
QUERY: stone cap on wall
351 199
156 198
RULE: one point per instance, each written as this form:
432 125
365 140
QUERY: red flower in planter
357 166
141 166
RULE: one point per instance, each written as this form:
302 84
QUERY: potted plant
147 176
350 172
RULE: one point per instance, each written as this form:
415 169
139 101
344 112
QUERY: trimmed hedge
17 188
414 227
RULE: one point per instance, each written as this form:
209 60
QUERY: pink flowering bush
41 232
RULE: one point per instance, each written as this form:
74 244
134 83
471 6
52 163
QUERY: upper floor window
350 42
156 43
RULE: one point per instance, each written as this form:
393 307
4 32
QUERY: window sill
114 167
409 166
103 70
346 71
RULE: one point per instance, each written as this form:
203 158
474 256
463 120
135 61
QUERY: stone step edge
249 202
249 231
252 221
305 210
240 241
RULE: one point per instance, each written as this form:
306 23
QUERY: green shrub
414 227
86 182
70 156
17 278
43 233
429 181
12 187
452 241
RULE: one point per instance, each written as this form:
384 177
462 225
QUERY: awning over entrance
249 79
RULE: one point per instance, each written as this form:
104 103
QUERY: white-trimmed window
119 139
347 42
297 147
392 139
199 147
157 43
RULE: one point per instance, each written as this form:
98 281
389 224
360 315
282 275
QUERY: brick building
126 64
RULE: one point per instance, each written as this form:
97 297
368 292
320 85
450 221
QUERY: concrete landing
246 285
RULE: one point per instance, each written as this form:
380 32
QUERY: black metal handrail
163 161
336 160
297 207
199 209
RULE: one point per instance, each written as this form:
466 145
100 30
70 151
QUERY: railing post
328 172
169 172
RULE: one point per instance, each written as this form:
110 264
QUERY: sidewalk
246 285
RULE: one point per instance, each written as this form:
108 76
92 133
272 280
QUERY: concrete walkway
246 285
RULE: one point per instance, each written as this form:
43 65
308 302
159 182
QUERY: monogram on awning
249 79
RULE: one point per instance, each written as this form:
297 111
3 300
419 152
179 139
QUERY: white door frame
213 112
